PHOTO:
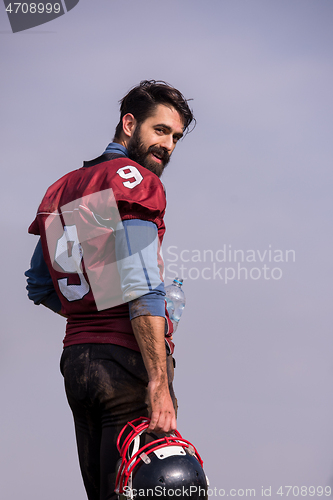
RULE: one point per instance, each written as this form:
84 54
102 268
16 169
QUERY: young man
98 264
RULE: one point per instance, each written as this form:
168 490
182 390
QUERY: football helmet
158 466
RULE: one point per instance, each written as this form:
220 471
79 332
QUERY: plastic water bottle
175 300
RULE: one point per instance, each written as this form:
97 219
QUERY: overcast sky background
254 373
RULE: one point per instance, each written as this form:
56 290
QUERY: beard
140 154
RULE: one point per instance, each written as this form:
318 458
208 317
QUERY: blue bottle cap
176 280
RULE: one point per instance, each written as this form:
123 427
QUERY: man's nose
167 143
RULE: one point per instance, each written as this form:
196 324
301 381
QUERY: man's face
154 139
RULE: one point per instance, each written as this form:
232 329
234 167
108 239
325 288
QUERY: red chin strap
135 428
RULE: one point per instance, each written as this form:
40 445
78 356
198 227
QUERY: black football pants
106 386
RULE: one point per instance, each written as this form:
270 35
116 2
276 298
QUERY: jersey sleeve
139 193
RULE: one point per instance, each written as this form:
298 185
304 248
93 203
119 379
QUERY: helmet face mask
158 466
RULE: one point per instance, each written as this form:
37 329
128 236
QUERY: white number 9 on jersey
68 255
132 174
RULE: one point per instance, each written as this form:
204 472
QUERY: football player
98 263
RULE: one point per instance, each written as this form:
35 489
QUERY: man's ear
129 124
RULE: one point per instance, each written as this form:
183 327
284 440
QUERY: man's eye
159 130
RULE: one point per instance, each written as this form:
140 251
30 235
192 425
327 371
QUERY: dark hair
142 100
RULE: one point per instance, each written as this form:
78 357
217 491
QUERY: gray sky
254 356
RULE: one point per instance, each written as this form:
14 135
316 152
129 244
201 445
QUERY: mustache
160 152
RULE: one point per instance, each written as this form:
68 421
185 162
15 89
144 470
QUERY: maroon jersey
77 220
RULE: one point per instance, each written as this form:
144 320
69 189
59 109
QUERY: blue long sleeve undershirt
39 283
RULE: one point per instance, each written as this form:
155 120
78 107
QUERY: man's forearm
149 333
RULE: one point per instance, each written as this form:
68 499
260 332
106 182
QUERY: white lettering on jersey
132 174
68 255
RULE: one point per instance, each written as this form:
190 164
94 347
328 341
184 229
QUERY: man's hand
149 333
161 409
